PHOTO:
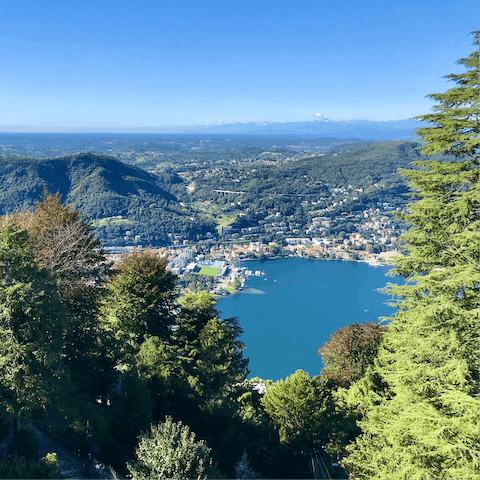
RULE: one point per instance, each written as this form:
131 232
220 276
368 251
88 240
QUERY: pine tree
243 470
220 360
195 311
203 356
420 401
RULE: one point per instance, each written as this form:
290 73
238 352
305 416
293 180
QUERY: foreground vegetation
113 351
419 401
135 370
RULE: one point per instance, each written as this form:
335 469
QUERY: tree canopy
420 401
203 356
32 324
64 243
141 297
297 405
170 450
349 351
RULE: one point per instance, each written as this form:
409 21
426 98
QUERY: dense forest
114 362
115 196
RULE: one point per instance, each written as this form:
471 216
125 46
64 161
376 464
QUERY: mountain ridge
112 195
361 129
72 176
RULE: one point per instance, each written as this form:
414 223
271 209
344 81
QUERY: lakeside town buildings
374 231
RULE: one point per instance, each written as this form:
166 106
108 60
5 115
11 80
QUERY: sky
145 63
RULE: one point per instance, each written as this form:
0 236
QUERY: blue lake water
304 302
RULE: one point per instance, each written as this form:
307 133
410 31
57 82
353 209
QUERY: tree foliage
243 470
194 374
456 125
141 298
18 467
297 406
420 401
170 450
349 351
195 311
65 244
58 360
203 356
32 324
131 413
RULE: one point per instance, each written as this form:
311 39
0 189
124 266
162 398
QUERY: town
215 262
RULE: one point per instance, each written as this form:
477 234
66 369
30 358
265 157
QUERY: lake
303 303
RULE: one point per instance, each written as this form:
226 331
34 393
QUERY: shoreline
243 285
236 265
269 259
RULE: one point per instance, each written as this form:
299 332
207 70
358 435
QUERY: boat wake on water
253 291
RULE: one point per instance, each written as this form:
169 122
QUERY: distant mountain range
367 130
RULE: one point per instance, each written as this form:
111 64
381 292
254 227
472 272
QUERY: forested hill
362 163
128 204
100 187
359 165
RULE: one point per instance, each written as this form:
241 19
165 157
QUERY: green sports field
209 271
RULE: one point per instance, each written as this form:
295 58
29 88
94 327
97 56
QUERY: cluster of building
370 235
185 261
373 227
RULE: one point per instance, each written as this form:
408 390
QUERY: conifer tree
220 361
420 401
203 356
195 310
243 470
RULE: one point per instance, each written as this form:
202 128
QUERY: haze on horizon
125 65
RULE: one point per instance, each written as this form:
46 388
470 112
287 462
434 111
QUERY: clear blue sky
151 63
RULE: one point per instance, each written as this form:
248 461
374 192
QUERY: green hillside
100 187
263 190
358 165
130 205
